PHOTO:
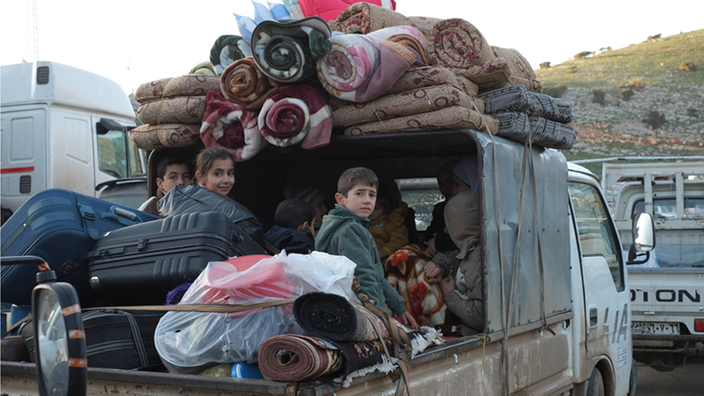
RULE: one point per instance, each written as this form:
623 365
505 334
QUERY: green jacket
345 234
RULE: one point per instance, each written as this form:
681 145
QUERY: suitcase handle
122 216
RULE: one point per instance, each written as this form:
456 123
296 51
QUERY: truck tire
596 384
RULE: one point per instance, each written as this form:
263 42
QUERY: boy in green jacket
345 232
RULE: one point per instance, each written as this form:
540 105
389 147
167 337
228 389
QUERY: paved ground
683 381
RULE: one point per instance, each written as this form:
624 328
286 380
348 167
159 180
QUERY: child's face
377 212
175 175
220 177
360 200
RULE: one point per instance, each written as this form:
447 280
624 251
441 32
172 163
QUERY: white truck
556 295
666 290
62 127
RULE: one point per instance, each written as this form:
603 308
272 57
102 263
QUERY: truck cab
62 127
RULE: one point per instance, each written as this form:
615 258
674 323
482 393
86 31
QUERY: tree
599 97
583 54
545 65
655 119
627 93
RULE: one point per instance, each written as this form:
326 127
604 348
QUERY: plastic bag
189 342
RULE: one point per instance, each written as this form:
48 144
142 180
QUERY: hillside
651 70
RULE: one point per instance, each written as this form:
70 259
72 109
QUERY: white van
62 127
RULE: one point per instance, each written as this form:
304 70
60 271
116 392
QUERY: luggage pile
289 82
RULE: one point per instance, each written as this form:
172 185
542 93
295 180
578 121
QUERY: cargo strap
216 308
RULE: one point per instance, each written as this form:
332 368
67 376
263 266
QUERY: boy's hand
447 285
433 272
407 319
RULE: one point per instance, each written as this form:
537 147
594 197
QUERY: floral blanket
456 43
188 85
425 301
365 18
178 110
229 125
244 83
226 50
153 137
360 68
296 114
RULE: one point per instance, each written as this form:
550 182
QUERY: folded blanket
425 301
297 358
179 110
365 18
517 63
243 83
417 77
296 114
188 85
516 98
335 318
456 43
229 125
419 100
286 50
360 68
226 50
510 68
455 117
546 133
153 137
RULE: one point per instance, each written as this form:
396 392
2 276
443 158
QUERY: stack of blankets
172 111
371 70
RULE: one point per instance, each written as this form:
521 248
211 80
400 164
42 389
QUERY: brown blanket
456 43
432 75
188 85
152 137
242 82
419 100
179 110
366 18
455 117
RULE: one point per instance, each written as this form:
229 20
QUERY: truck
666 289
557 299
62 127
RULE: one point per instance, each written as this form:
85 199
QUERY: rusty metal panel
503 178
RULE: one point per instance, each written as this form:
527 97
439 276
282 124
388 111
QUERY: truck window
666 208
420 194
117 156
596 233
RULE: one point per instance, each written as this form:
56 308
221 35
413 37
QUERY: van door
606 297
24 155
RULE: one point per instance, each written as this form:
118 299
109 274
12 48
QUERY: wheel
596 384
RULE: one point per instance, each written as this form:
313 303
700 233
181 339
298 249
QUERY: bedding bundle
171 110
525 115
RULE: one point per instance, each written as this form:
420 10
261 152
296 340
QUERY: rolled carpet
335 318
188 85
365 18
291 357
178 110
456 43
296 114
226 50
360 68
242 82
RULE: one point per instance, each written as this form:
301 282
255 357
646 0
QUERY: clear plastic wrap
189 342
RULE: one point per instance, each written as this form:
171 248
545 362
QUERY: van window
421 194
596 233
117 156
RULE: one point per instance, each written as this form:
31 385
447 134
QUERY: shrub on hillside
572 69
627 93
599 97
556 91
583 54
688 66
694 113
655 119
545 65
636 83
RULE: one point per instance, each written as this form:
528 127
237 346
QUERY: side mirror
643 230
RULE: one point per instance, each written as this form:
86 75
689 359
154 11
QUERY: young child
293 227
388 220
345 232
215 169
171 172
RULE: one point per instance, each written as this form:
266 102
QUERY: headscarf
467 171
463 221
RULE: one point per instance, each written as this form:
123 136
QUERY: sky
137 41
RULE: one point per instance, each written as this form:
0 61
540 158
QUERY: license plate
655 328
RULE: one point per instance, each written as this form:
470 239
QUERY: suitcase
59 226
115 339
142 263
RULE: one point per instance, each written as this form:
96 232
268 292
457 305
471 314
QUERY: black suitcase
59 226
142 263
115 339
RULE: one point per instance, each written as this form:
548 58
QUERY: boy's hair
354 176
293 212
207 157
168 161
